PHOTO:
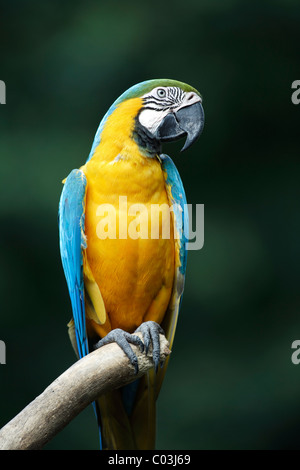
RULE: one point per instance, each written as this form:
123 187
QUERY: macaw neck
124 137
148 145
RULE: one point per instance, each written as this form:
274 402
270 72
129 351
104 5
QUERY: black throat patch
145 140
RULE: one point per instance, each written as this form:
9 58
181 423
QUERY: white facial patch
151 118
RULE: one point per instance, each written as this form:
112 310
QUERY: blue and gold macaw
119 285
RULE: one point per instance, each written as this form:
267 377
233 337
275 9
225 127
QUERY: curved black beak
187 121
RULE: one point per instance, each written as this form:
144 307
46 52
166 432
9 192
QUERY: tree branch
99 372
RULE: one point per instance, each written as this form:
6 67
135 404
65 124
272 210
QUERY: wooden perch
100 371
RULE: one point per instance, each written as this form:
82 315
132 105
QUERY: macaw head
171 110
161 111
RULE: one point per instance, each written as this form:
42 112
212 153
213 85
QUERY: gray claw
122 338
151 331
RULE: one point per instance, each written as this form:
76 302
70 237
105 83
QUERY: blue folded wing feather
180 208
177 198
72 242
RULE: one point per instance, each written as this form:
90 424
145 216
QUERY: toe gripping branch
150 331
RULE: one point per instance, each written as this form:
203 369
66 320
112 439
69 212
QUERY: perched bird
124 278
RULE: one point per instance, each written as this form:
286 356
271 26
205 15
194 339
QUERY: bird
121 283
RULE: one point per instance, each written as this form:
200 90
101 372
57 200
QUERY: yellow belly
135 276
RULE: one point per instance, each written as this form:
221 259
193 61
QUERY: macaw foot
122 338
151 331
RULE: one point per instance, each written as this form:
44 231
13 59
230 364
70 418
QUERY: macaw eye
161 93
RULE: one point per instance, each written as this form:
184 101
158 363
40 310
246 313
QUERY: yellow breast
130 245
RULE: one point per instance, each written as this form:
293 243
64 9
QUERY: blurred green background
231 383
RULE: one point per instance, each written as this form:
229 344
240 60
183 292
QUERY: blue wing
72 242
177 199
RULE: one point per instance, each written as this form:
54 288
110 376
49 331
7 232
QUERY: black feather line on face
173 98
160 105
